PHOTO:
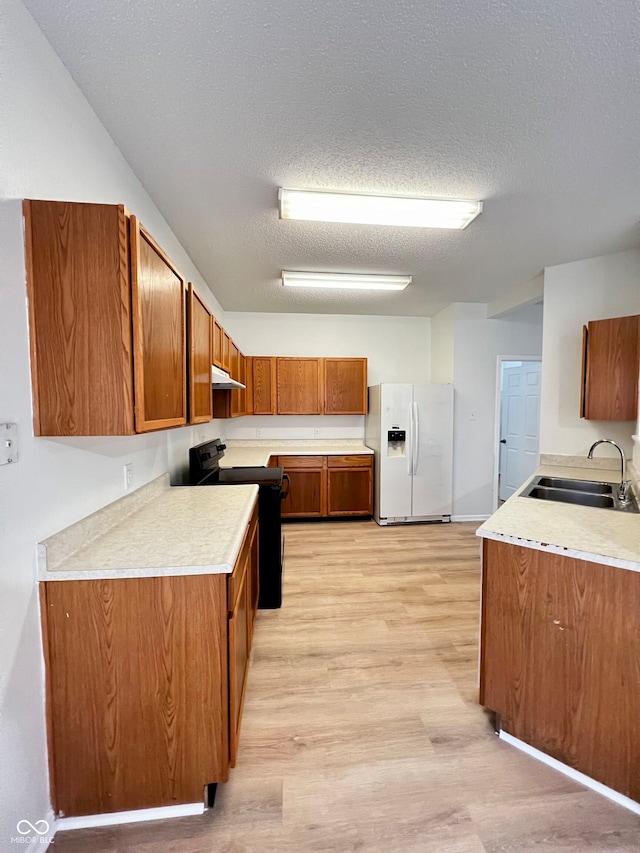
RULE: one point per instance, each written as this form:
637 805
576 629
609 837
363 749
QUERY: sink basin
579 492
567 496
576 485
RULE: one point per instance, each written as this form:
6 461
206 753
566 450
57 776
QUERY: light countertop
585 533
158 531
244 453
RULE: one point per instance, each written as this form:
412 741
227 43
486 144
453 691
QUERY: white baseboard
470 517
587 781
136 816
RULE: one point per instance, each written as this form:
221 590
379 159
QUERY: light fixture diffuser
321 206
345 281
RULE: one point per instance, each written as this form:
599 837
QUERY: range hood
221 381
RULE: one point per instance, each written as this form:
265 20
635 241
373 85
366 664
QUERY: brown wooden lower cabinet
238 663
243 602
138 672
560 659
307 489
349 491
322 486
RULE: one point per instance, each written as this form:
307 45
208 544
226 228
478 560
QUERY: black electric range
273 486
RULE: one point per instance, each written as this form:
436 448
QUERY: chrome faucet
624 489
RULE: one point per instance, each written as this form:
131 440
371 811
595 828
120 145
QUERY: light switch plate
8 443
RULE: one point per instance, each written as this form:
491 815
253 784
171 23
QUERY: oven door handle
285 491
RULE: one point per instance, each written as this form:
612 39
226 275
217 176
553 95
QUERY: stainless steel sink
566 496
576 485
580 492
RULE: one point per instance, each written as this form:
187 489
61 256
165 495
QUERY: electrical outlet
258 433
316 433
128 475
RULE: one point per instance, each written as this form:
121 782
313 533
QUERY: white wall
477 344
575 293
398 349
442 337
52 146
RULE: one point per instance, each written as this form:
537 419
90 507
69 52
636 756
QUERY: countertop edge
124 573
587 556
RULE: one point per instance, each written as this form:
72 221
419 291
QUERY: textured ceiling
533 107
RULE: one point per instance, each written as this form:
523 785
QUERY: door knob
503 441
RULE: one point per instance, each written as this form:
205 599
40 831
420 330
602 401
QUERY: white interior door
432 450
519 426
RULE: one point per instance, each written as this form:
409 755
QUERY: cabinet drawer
360 460
301 461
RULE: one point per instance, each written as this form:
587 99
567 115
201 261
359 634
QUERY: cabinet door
200 399
217 335
226 351
238 395
345 386
307 492
137 699
234 355
349 490
79 318
248 381
299 386
253 580
611 388
559 660
238 664
158 301
264 385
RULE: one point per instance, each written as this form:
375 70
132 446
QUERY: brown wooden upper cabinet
248 381
345 386
299 386
264 385
217 333
237 402
610 369
158 301
226 351
238 372
313 386
107 323
199 339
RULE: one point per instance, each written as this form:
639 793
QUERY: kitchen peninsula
560 634
148 608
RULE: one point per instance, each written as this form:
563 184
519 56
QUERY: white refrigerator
410 429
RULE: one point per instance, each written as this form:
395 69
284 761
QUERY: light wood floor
361 728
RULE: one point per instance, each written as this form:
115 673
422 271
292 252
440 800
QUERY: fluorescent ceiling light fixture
345 281
376 209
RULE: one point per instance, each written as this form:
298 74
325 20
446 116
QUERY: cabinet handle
284 493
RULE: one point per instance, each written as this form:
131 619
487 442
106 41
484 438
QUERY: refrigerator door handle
416 437
410 449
